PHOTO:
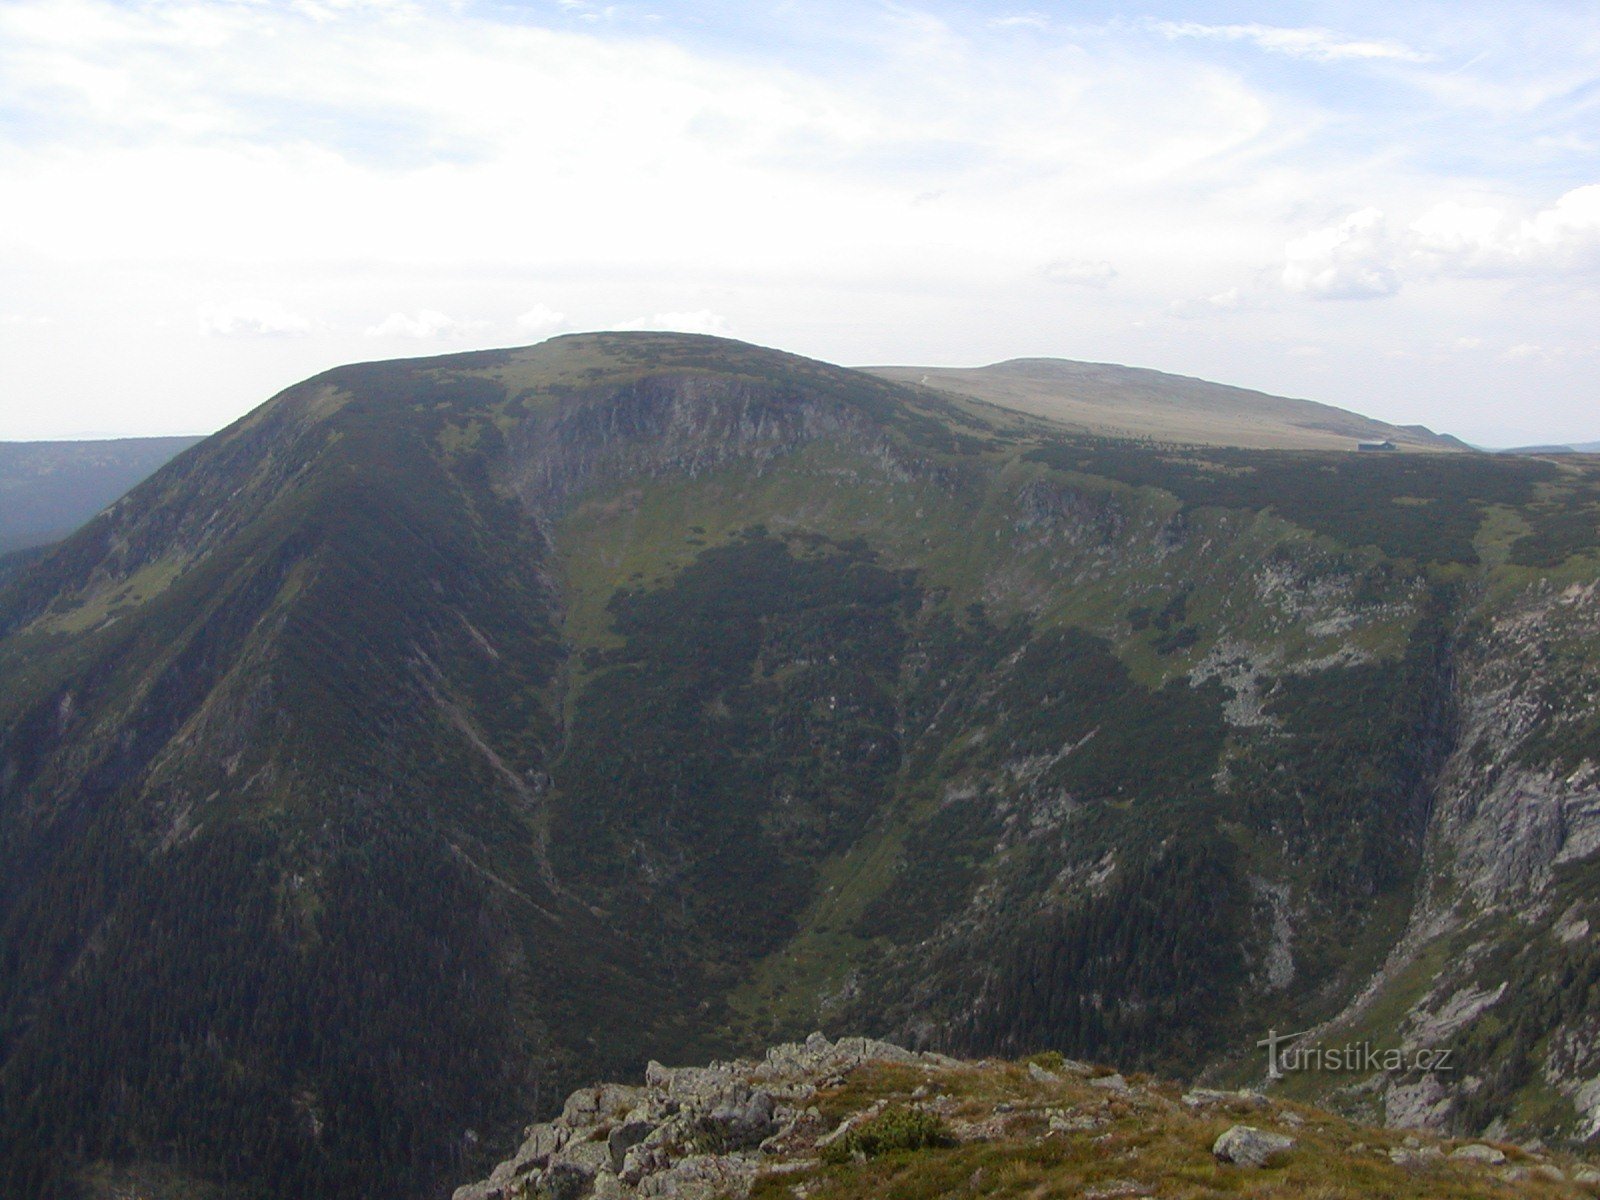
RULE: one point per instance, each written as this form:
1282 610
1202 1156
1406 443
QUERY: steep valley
452 732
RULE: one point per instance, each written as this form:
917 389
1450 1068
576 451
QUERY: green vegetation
897 1129
447 733
1425 507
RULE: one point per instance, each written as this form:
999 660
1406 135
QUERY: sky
1391 207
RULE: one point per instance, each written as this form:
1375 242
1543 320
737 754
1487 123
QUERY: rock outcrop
1247 1146
842 1119
688 1132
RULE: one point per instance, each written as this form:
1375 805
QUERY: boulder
559 1181
591 1105
623 1138
701 1177
1247 1146
1039 1075
1477 1152
1415 1157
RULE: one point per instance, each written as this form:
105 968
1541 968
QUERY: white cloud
423 158
1233 299
424 324
1317 44
1359 256
1083 272
251 318
1457 232
701 320
1027 20
1351 260
540 320
1561 238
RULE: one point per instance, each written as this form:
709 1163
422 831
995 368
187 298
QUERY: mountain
450 732
48 489
1563 448
1105 400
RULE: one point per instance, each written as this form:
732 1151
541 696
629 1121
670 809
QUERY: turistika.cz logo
1284 1058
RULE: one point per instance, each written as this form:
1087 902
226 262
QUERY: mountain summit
450 732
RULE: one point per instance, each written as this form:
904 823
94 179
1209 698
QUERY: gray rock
623 1138
641 1160
702 1177
1111 1083
1416 1157
592 1105
1247 1146
1477 1152
588 1157
562 1181
1039 1075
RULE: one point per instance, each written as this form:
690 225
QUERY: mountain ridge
520 715
1107 399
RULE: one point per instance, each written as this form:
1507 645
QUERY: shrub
895 1128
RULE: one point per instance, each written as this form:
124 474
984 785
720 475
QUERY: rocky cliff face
1501 928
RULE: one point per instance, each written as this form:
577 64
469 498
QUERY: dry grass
1123 402
1145 1142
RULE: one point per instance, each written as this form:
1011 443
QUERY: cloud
1360 256
1462 239
700 321
1351 260
400 157
1027 20
424 324
252 318
1082 272
1233 299
1314 43
540 320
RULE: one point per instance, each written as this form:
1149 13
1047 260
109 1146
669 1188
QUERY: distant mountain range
1557 448
448 733
48 489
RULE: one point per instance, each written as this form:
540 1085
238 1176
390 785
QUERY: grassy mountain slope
449 731
48 489
1106 400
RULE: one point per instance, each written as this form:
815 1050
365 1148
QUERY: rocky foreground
860 1118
